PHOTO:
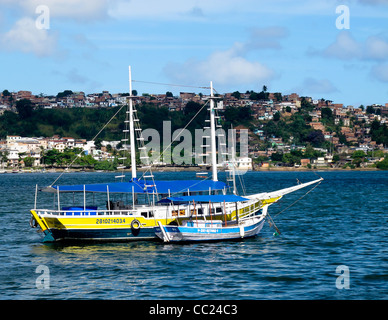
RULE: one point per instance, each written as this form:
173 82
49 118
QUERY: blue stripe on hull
125 234
194 234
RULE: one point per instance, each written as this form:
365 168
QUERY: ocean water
333 244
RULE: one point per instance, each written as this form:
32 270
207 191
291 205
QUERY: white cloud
223 68
80 10
178 9
231 67
266 38
376 48
26 37
380 72
373 2
168 9
344 47
318 86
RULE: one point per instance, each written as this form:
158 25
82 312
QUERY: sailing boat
153 203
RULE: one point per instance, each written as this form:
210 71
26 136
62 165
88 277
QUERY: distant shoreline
193 169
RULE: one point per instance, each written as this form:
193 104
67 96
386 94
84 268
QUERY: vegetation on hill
85 123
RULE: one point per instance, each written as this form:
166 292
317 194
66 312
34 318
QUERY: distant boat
201 175
242 165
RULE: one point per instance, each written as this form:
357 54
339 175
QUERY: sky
334 49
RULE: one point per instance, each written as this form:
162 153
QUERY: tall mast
131 129
213 134
233 165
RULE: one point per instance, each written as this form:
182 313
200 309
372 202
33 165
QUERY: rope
272 223
92 140
298 199
180 132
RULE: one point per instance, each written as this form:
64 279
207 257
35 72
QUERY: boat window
144 214
174 213
200 211
182 212
218 210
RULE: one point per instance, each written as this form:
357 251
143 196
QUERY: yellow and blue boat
146 203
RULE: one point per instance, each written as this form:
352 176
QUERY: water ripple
341 223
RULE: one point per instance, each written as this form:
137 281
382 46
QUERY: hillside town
354 122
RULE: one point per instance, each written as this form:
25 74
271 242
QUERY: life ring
33 222
135 224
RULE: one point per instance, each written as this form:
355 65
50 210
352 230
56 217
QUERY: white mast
131 129
213 134
233 165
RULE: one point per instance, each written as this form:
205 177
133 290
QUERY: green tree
316 138
104 165
278 97
327 115
290 159
24 108
358 154
306 105
236 94
383 165
28 161
379 132
64 94
277 156
370 110
51 157
309 152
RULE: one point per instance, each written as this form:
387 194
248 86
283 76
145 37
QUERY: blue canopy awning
141 186
205 198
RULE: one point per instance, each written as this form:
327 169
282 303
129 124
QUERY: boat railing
246 211
88 213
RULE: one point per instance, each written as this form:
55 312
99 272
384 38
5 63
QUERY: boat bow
276 195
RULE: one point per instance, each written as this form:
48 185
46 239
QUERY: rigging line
91 140
297 200
173 140
140 135
193 185
170 84
273 223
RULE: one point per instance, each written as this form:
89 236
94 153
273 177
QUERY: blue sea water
340 224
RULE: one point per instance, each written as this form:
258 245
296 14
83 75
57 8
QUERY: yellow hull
118 227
